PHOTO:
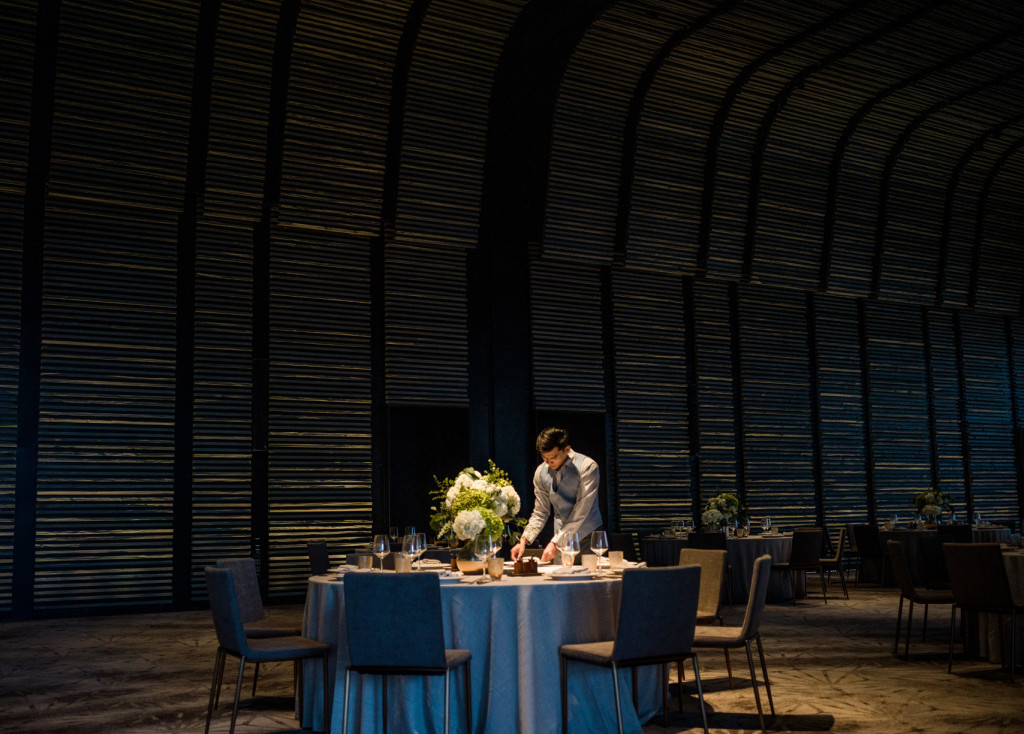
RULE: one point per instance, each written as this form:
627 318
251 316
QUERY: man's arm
541 511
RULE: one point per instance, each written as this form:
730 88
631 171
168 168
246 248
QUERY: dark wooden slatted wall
320 283
17 42
999 240
841 405
120 132
899 406
567 337
988 405
651 407
944 384
715 389
221 494
778 451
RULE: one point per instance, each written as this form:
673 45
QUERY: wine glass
410 530
421 545
409 547
393 534
570 546
977 519
482 545
766 525
599 544
381 547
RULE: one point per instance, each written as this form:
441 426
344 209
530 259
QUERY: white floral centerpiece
473 502
720 510
932 503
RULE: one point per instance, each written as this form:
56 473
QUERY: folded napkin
449 574
345 568
570 570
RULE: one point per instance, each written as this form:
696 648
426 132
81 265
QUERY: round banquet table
513 627
989 636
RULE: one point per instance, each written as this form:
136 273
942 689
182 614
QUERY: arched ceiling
866 148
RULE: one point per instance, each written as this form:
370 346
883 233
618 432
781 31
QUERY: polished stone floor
831 665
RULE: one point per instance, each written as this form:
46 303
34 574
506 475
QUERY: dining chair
834 561
250 605
711 599
913 594
805 555
394 627
712 541
657 618
869 548
233 640
741 636
978 578
319 557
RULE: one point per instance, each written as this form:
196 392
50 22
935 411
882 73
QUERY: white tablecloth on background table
989 534
513 628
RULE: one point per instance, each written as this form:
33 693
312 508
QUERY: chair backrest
757 598
657 612
319 557
806 549
625 542
709 541
712 577
977 576
837 551
851 538
394 620
867 540
227 618
900 569
247 587
955 533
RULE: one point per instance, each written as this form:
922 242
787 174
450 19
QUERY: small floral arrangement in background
932 503
721 509
474 501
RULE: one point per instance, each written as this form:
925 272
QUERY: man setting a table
567 482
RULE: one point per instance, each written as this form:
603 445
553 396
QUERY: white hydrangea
511 498
712 517
930 510
453 492
468 524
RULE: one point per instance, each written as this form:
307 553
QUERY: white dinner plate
569 576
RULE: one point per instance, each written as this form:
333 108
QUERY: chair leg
764 671
238 694
1013 642
700 695
952 618
344 705
447 694
899 626
821 577
255 677
562 673
618 699
910 619
924 624
842 580
757 694
218 673
728 669
468 683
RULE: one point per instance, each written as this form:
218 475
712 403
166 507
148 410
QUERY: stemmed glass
393 534
569 546
421 545
482 549
766 525
409 547
381 547
599 544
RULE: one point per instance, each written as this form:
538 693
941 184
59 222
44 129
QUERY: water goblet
482 545
381 547
599 544
570 546
393 534
977 519
766 525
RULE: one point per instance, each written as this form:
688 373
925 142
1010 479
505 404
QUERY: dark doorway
422 442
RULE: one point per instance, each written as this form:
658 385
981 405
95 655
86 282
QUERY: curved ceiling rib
636 106
780 100
724 110
859 116
954 186
980 223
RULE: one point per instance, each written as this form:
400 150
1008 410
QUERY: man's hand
516 552
550 551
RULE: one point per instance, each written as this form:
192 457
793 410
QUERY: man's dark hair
552 438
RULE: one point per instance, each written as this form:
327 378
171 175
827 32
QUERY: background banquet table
513 628
742 552
988 624
923 552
